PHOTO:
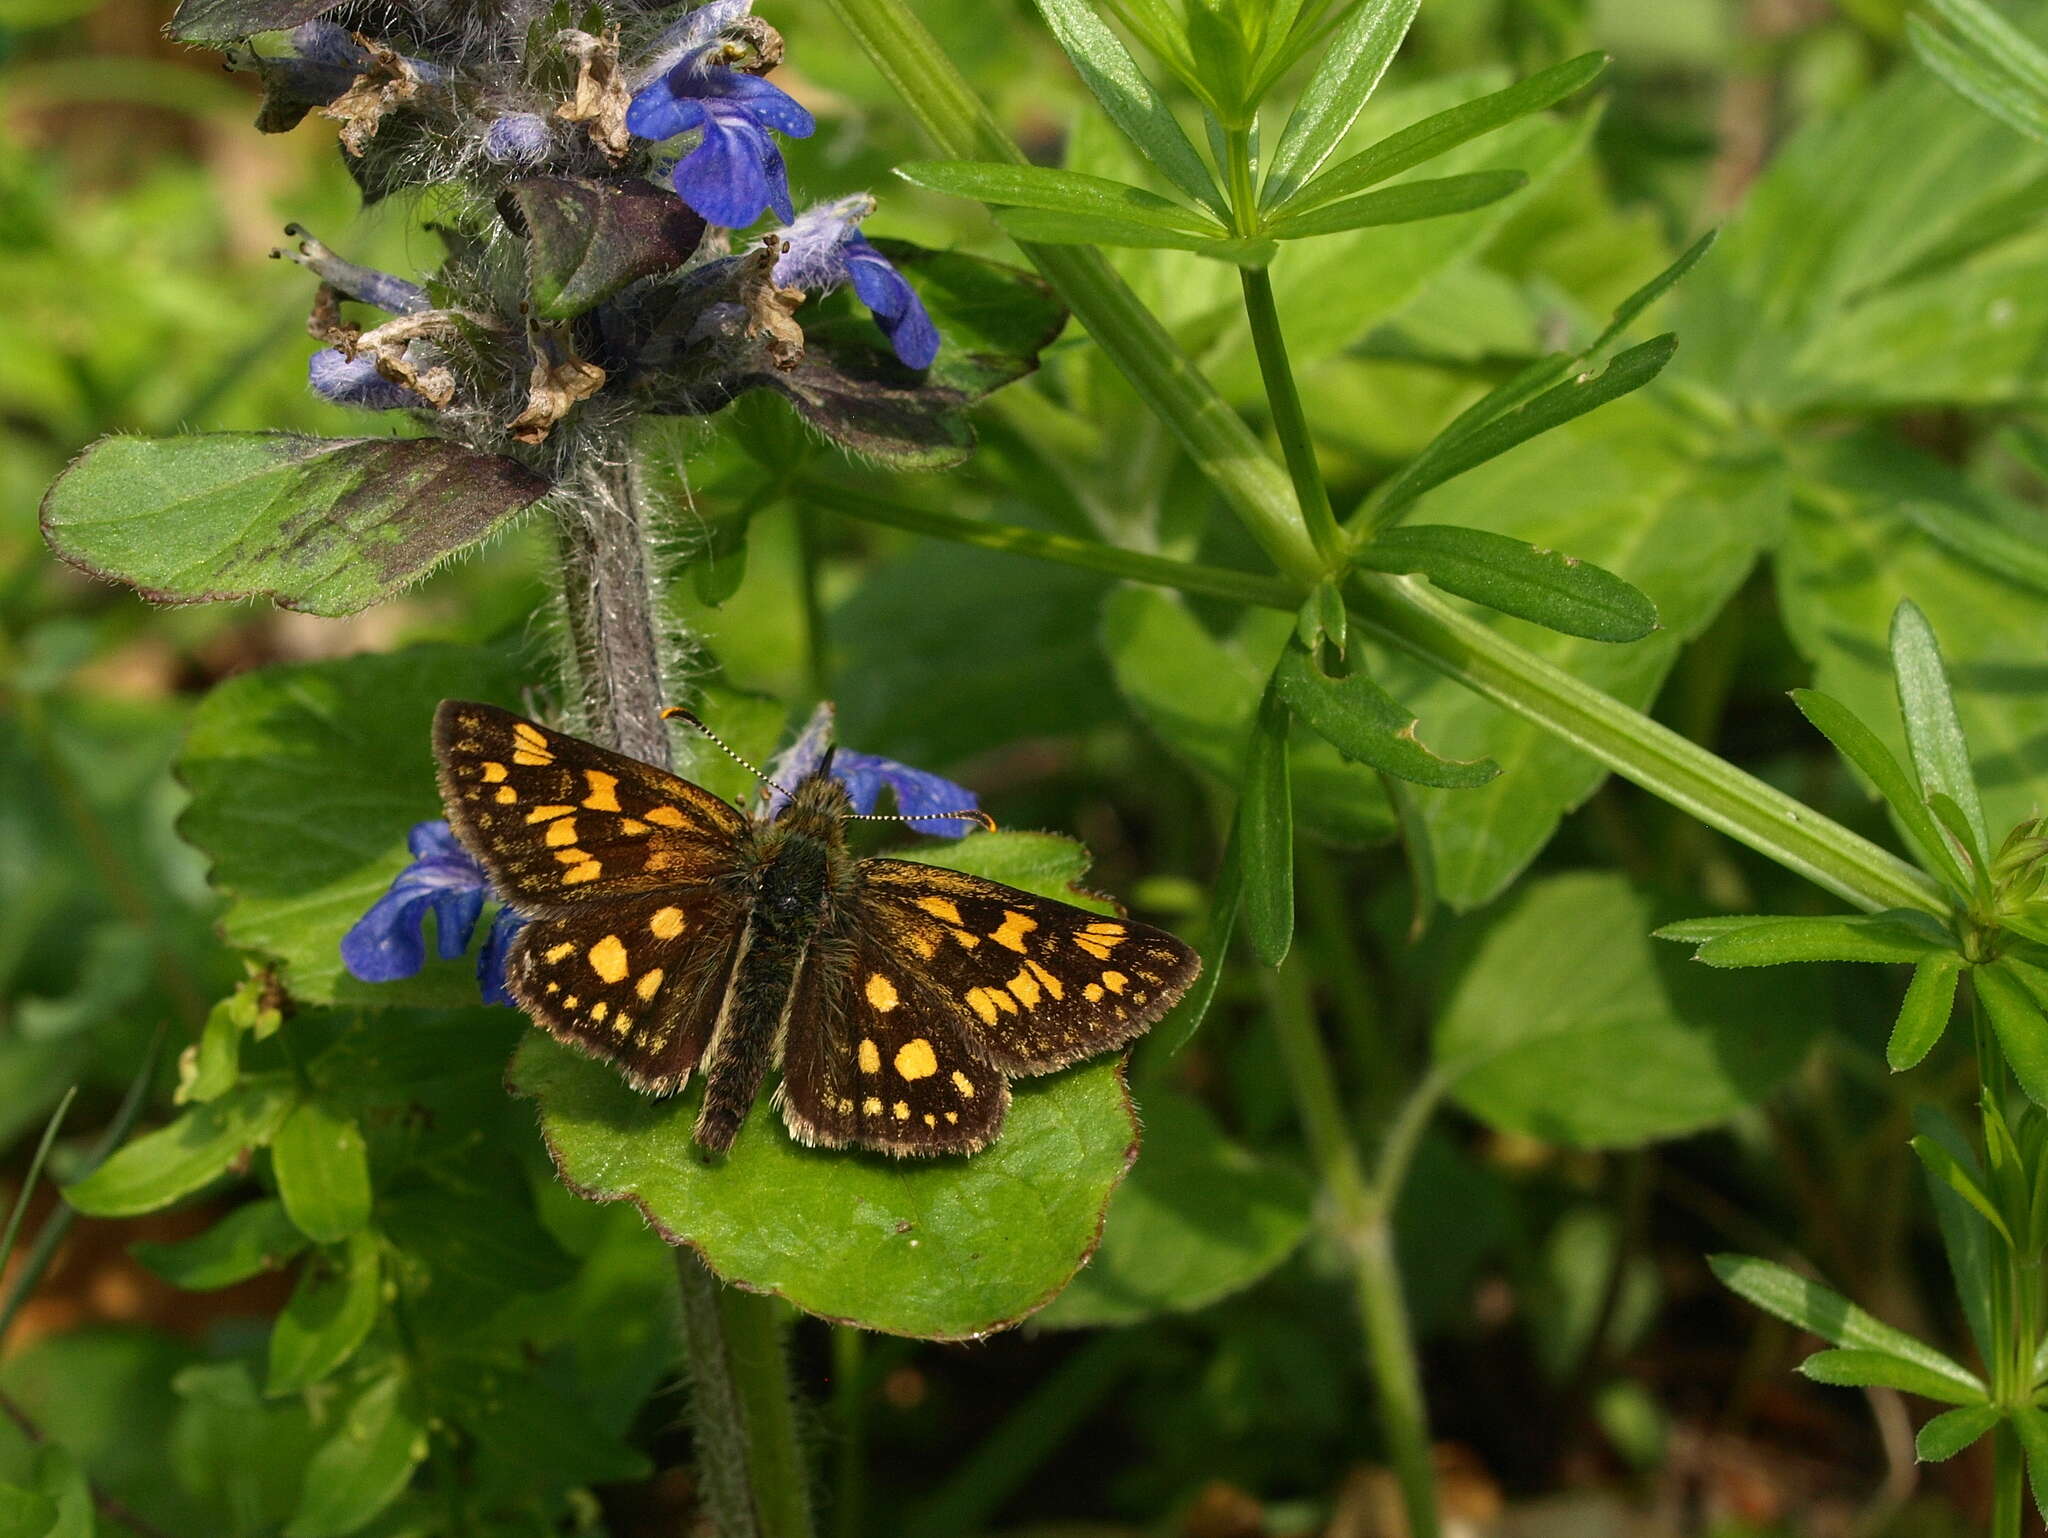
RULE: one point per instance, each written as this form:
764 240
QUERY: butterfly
670 934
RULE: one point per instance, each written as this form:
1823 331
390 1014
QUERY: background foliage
396 1320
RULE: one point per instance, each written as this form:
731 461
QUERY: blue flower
919 795
736 170
347 381
386 943
826 249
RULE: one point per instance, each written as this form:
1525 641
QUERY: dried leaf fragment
559 380
388 83
601 96
771 308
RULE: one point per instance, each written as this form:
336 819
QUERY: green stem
749 1464
1360 1219
1215 436
1290 422
849 1416
1401 612
2008 1503
809 556
1132 565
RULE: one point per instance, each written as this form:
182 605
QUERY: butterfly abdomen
794 883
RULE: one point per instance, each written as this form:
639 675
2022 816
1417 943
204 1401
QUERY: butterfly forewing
560 823
639 983
881 1058
1035 984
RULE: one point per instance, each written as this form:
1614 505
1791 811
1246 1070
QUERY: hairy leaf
1069 192
587 240
1336 93
305 781
1906 935
1924 1013
1934 736
940 1248
225 21
1952 1431
327 525
1880 1369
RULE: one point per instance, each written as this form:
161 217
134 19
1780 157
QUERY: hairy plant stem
1358 1213
749 1464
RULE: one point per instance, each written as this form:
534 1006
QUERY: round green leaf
323 1171
1200 1218
1574 1026
157 1168
941 1248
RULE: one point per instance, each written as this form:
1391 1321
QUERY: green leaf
1067 192
60 1477
1336 93
1225 899
25 1513
1934 735
939 1248
1131 100
1264 834
323 1171
2017 1021
1472 444
484 1244
1200 695
587 240
1952 1431
1438 132
1959 1178
1365 723
1983 77
1627 488
1571 1025
256 1237
1866 750
1545 587
305 781
2004 44
361 1469
228 21
1626 312
2032 1427
1903 935
1880 1369
1963 530
1966 1239
327 525
1822 1311
993 320
329 1315
1923 1016
158 1167
1200 1218
1840 572
1403 203
1066 229
208 1069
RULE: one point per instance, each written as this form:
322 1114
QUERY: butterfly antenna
677 713
972 814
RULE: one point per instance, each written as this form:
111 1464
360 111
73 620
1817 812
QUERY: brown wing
639 982
560 823
875 1055
1035 984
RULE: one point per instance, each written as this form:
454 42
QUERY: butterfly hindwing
560 823
876 1057
639 983
1034 983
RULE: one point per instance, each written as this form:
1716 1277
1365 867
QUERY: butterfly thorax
801 874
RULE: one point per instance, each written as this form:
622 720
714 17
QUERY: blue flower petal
919 794
657 113
385 944
355 381
490 961
735 173
898 311
765 102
